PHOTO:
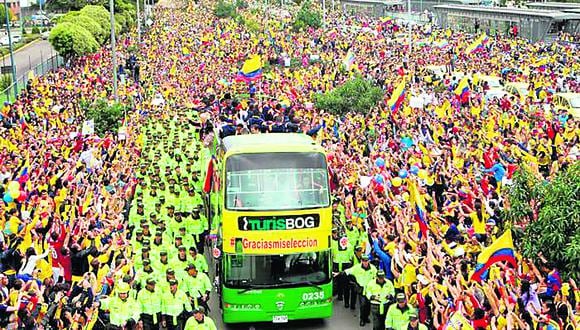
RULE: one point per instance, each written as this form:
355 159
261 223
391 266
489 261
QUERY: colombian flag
477 45
398 96
251 70
418 202
23 177
462 89
500 250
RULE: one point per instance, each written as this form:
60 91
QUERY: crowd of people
108 231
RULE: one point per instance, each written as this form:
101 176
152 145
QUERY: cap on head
413 316
364 257
401 297
123 287
381 273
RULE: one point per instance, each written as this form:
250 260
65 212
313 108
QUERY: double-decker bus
276 220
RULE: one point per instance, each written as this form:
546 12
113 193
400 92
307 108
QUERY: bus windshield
247 271
276 181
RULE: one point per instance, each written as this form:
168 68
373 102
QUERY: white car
5 41
44 35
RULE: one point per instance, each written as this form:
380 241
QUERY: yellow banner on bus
280 232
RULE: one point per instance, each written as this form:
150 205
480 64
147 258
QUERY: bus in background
275 227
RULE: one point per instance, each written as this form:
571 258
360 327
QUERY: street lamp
113 48
138 24
11 50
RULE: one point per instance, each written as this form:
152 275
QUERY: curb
21 48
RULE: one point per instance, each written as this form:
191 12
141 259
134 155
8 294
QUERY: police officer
414 323
175 307
398 314
363 273
197 286
123 310
149 301
380 293
340 261
199 321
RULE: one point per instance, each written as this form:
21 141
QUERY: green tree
107 118
307 17
72 40
99 14
3 14
89 24
224 9
356 95
553 211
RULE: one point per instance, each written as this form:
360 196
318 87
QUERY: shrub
99 14
35 30
224 9
72 40
90 25
307 17
107 118
5 81
356 95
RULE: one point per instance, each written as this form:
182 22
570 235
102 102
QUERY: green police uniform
150 304
192 324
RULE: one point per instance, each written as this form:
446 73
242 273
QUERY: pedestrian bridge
533 24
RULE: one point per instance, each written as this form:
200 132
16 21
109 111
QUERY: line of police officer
171 288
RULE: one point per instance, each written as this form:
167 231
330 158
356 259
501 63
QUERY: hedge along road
29 56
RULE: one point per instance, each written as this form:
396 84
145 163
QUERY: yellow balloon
430 181
406 196
396 181
14 186
422 174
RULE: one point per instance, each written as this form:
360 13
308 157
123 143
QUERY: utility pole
113 48
323 12
409 26
14 81
138 24
21 19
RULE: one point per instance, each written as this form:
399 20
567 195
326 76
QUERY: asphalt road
30 56
342 318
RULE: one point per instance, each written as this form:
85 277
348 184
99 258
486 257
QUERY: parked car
5 41
44 35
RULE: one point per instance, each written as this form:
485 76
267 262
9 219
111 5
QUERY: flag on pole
209 176
500 250
398 96
477 45
462 88
418 202
251 70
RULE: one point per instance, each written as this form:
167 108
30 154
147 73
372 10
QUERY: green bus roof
253 141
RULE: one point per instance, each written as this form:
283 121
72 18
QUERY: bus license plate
280 319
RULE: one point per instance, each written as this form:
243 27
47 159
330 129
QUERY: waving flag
477 45
418 201
208 183
500 250
23 177
462 88
398 96
251 70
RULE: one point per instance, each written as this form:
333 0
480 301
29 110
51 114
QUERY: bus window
276 181
243 271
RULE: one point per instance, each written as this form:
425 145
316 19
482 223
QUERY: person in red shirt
59 252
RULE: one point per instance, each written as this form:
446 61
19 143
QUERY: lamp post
113 48
138 24
409 26
11 50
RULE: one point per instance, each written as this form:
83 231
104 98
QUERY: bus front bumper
236 315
